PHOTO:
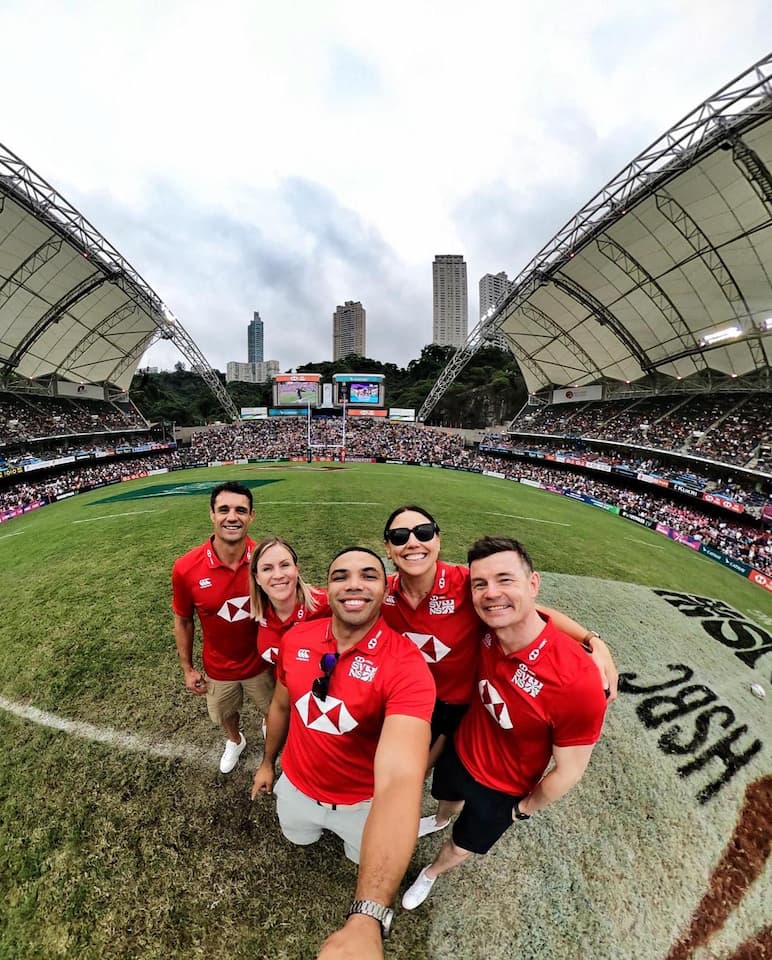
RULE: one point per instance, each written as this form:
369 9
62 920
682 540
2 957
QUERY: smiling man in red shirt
212 580
539 698
353 702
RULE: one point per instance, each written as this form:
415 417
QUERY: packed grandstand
710 503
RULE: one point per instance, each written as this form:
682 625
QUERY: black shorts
487 813
446 717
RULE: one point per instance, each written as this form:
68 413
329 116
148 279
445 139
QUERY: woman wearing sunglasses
279 596
430 601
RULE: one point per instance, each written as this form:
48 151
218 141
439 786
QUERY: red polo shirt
271 629
220 596
330 750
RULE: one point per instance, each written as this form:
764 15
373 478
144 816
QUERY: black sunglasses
321 686
399 536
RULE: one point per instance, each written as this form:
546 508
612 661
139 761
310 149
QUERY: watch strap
371 908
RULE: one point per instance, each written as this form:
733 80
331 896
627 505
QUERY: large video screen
296 393
359 393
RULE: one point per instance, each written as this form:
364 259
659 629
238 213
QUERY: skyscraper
348 329
493 286
255 339
450 314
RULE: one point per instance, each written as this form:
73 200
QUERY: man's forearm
389 840
183 637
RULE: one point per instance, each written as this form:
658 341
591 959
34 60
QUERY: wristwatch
384 915
519 815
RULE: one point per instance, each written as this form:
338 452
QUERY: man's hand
359 939
263 781
603 660
195 682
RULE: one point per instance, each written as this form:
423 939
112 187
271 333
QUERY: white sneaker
231 754
264 728
427 825
415 894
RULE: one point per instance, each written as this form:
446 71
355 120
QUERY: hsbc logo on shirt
271 655
432 649
494 704
235 609
326 716
439 606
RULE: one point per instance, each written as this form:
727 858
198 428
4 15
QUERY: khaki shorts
224 698
302 819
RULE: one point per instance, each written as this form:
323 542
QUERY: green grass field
110 850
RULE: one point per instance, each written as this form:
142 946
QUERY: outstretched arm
390 834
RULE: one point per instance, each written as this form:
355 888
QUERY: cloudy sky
287 157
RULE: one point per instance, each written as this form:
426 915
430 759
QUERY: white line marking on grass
646 543
6 535
114 738
112 516
516 516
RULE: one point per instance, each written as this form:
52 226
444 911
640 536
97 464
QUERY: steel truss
36 195
741 104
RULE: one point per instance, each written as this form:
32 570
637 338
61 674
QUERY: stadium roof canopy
668 269
70 306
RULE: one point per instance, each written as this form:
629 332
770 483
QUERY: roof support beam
691 231
541 319
604 317
38 258
645 281
112 320
54 314
754 168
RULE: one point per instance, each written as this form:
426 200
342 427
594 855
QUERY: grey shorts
302 819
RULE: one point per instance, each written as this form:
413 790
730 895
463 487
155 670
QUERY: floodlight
728 333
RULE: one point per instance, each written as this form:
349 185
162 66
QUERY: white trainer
427 825
415 894
231 754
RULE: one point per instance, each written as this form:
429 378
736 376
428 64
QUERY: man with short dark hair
213 580
539 698
353 701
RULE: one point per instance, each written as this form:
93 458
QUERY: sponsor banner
65 496
577 394
11 471
624 471
364 412
737 565
133 476
142 448
42 464
363 460
602 466
155 473
530 483
594 502
80 391
642 521
402 413
760 579
720 500
551 488
10 514
766 513
254 413
493 473
681 488
650 478
287 412
241 462
35 505
83 455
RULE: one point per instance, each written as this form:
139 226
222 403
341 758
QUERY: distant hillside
490 389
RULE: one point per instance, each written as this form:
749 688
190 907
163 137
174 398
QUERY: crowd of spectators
745 490
727 428
28 417
365 438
